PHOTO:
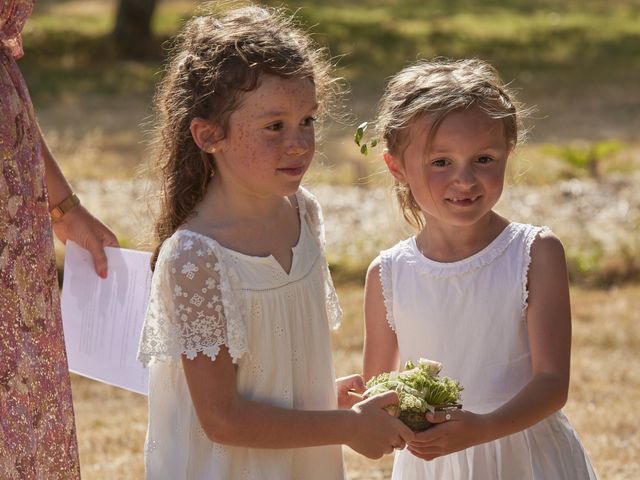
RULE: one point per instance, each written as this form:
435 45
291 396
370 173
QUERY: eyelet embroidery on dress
200 431
151 446
278 330
288 293
257 370
220 451
256 311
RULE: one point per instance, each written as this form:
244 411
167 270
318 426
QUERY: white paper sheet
103 317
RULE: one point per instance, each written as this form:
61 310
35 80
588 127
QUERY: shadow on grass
374 39
77 63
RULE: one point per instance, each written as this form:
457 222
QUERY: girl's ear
394 166
205 133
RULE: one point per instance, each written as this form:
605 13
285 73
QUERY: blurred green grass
561 44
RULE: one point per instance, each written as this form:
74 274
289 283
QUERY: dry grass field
605 392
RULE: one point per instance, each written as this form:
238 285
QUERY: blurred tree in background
132 32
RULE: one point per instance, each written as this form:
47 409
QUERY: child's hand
349 390
375 431
456 430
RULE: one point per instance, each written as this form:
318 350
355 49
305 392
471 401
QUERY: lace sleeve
186 312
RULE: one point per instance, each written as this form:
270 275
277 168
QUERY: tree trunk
132 32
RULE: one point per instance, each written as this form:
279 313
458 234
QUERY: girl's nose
299 143
466 176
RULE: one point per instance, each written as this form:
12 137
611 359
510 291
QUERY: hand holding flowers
420 390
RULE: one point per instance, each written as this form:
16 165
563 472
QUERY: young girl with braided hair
237 330
485 296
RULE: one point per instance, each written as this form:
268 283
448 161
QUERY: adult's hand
88 232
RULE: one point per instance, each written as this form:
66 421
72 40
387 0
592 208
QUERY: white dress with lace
471 316
276 327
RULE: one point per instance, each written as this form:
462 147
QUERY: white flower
431 366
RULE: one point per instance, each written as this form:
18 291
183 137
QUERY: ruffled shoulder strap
311 212
530 233
386 278
193 306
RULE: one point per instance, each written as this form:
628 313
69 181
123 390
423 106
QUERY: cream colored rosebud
432 366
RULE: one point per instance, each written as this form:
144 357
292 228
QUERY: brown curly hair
214 60
436 88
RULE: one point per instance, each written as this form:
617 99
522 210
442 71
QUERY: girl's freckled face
271 137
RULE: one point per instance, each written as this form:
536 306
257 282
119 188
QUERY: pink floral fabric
37 429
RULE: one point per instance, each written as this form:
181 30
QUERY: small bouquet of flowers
420 389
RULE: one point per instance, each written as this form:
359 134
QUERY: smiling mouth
463 201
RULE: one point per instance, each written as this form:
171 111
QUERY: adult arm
77 224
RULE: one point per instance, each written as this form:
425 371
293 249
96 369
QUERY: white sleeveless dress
276 327
471 316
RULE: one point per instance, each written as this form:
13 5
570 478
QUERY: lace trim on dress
193 307
387 287
196 305
313 215
233 307
484 257
530 237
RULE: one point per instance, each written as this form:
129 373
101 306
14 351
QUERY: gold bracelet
64 206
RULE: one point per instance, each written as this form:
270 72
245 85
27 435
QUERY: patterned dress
37 430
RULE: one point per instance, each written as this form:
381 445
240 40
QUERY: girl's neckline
494 247
268 259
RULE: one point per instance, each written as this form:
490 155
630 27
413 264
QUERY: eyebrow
489 147
277 113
